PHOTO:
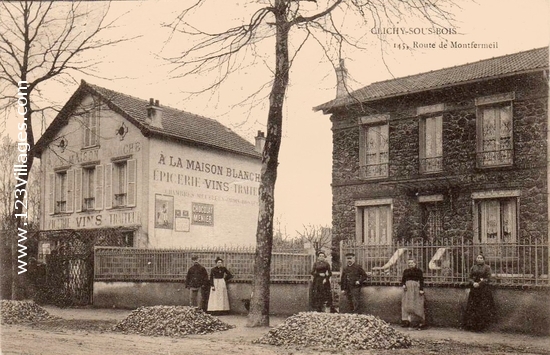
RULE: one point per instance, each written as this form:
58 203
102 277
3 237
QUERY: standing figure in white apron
219 275
412 302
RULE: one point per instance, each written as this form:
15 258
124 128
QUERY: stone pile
173 321
13 312
336 331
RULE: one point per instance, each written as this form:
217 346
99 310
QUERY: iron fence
447 262
133 264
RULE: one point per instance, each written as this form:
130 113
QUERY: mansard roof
506 65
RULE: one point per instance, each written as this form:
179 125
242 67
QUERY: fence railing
448 262
133 264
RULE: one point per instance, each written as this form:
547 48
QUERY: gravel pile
336 331
13 312
173 321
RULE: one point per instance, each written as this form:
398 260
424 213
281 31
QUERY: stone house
456 156
169 178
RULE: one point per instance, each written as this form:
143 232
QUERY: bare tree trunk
259 305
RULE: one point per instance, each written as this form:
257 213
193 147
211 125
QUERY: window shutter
94 131
57 192
423 132
131 193
70 190
51 193
99 187
86 130
108 186
362 145
439 136
78 190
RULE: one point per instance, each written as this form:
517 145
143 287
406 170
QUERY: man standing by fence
197 280
352 279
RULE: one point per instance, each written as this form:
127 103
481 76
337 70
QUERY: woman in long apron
219 275
412 302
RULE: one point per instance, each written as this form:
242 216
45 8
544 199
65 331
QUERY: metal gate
70 264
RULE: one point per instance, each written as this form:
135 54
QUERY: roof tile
516 63
180 124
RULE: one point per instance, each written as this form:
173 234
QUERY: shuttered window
120 183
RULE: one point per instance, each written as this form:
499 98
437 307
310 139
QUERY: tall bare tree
42 41
323 21
318 236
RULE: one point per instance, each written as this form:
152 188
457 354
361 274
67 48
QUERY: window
88 192
373 151
90 181
496 221
91 126
432 221
61 195
120 183
495 131
61 192
374 224
431 144
496 227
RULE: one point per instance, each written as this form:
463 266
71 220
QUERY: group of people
208 292
480 307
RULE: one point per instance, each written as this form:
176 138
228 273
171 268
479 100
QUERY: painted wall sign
95 220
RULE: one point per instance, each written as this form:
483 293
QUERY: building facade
442 166
453 154
168 177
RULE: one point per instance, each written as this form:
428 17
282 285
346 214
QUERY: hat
218 259
350 254
194 258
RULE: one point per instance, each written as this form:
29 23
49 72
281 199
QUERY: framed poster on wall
164 211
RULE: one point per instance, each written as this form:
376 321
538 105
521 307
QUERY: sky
303 192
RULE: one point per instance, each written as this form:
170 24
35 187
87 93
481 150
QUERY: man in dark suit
351 281
197 280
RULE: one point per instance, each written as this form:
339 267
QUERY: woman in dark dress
480 309
320 287
219 275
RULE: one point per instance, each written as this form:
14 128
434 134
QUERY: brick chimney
260 142
154 114
341 80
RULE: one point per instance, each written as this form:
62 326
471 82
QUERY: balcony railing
60 206
431 165
371 171
524 263
499 157
120 200
89 203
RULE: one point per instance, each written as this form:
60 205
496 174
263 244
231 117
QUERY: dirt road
87 331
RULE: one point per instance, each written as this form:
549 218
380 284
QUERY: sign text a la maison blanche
215 170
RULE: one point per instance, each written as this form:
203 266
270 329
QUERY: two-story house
169 178
441 166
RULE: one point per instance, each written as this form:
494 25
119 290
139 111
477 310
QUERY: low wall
286 298
523 311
